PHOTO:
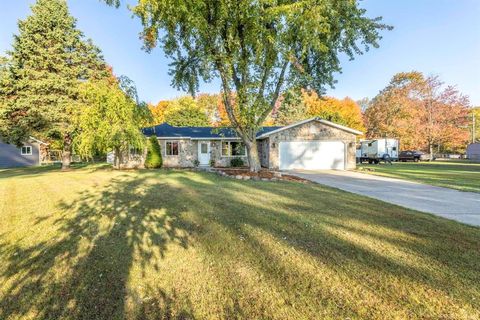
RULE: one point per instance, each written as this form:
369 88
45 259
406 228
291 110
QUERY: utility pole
474 128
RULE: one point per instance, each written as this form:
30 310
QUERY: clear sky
440 37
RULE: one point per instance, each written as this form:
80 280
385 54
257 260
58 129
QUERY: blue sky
440 37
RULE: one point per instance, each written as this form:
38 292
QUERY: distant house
473 151
309 144
30 154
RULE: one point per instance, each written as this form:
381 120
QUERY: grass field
456 174
94 243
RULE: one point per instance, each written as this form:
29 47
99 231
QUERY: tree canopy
110 120
39 89
256 48
295 107
203 110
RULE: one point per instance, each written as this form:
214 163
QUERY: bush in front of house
237 162
154 154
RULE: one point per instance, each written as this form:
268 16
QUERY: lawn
456 174
94 243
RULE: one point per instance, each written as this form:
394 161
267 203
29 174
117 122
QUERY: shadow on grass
38 171
132 221
98 245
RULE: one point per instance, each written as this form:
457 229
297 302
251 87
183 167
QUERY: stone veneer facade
268 148
314 130
188 153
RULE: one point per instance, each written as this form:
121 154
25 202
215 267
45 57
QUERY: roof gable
323 121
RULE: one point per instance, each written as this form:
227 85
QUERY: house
309 144
30 154
473 151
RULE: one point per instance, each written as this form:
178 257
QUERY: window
233 148
135 151
26 151
237 148
394 148
171 148
225 149
204 148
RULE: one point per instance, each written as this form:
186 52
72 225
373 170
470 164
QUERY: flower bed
264 175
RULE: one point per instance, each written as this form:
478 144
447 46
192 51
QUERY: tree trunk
117 162
430 147
253 159
66 153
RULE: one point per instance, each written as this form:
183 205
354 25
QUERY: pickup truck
413 155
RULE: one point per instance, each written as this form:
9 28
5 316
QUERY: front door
204 153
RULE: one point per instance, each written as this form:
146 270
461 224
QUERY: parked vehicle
414 155
377 150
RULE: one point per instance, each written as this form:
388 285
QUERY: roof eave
39 141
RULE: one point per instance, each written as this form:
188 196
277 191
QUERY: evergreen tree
39 91
154 154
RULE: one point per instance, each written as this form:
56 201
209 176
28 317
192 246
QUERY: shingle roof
165 130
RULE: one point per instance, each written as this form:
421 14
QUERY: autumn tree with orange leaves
158 111
422 112
296 107
210 105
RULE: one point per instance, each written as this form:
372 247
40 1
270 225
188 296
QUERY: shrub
154 154
196 163
236 162
212 163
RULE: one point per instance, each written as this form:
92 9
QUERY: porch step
205 168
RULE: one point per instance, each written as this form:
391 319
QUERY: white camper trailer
376 150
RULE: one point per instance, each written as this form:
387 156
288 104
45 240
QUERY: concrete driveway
448 203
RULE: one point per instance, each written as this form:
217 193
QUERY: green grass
94 243
461 175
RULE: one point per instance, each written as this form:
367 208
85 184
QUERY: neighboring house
473 151
30 154
310 144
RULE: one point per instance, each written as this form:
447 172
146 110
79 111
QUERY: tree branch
228 106
276 94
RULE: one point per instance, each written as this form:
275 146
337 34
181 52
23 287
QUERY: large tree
39 91
256 48
421 111
111 119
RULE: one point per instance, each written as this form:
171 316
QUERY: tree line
293 106
421 111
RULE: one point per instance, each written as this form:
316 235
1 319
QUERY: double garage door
312 155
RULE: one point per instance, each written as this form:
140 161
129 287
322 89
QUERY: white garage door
312 155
